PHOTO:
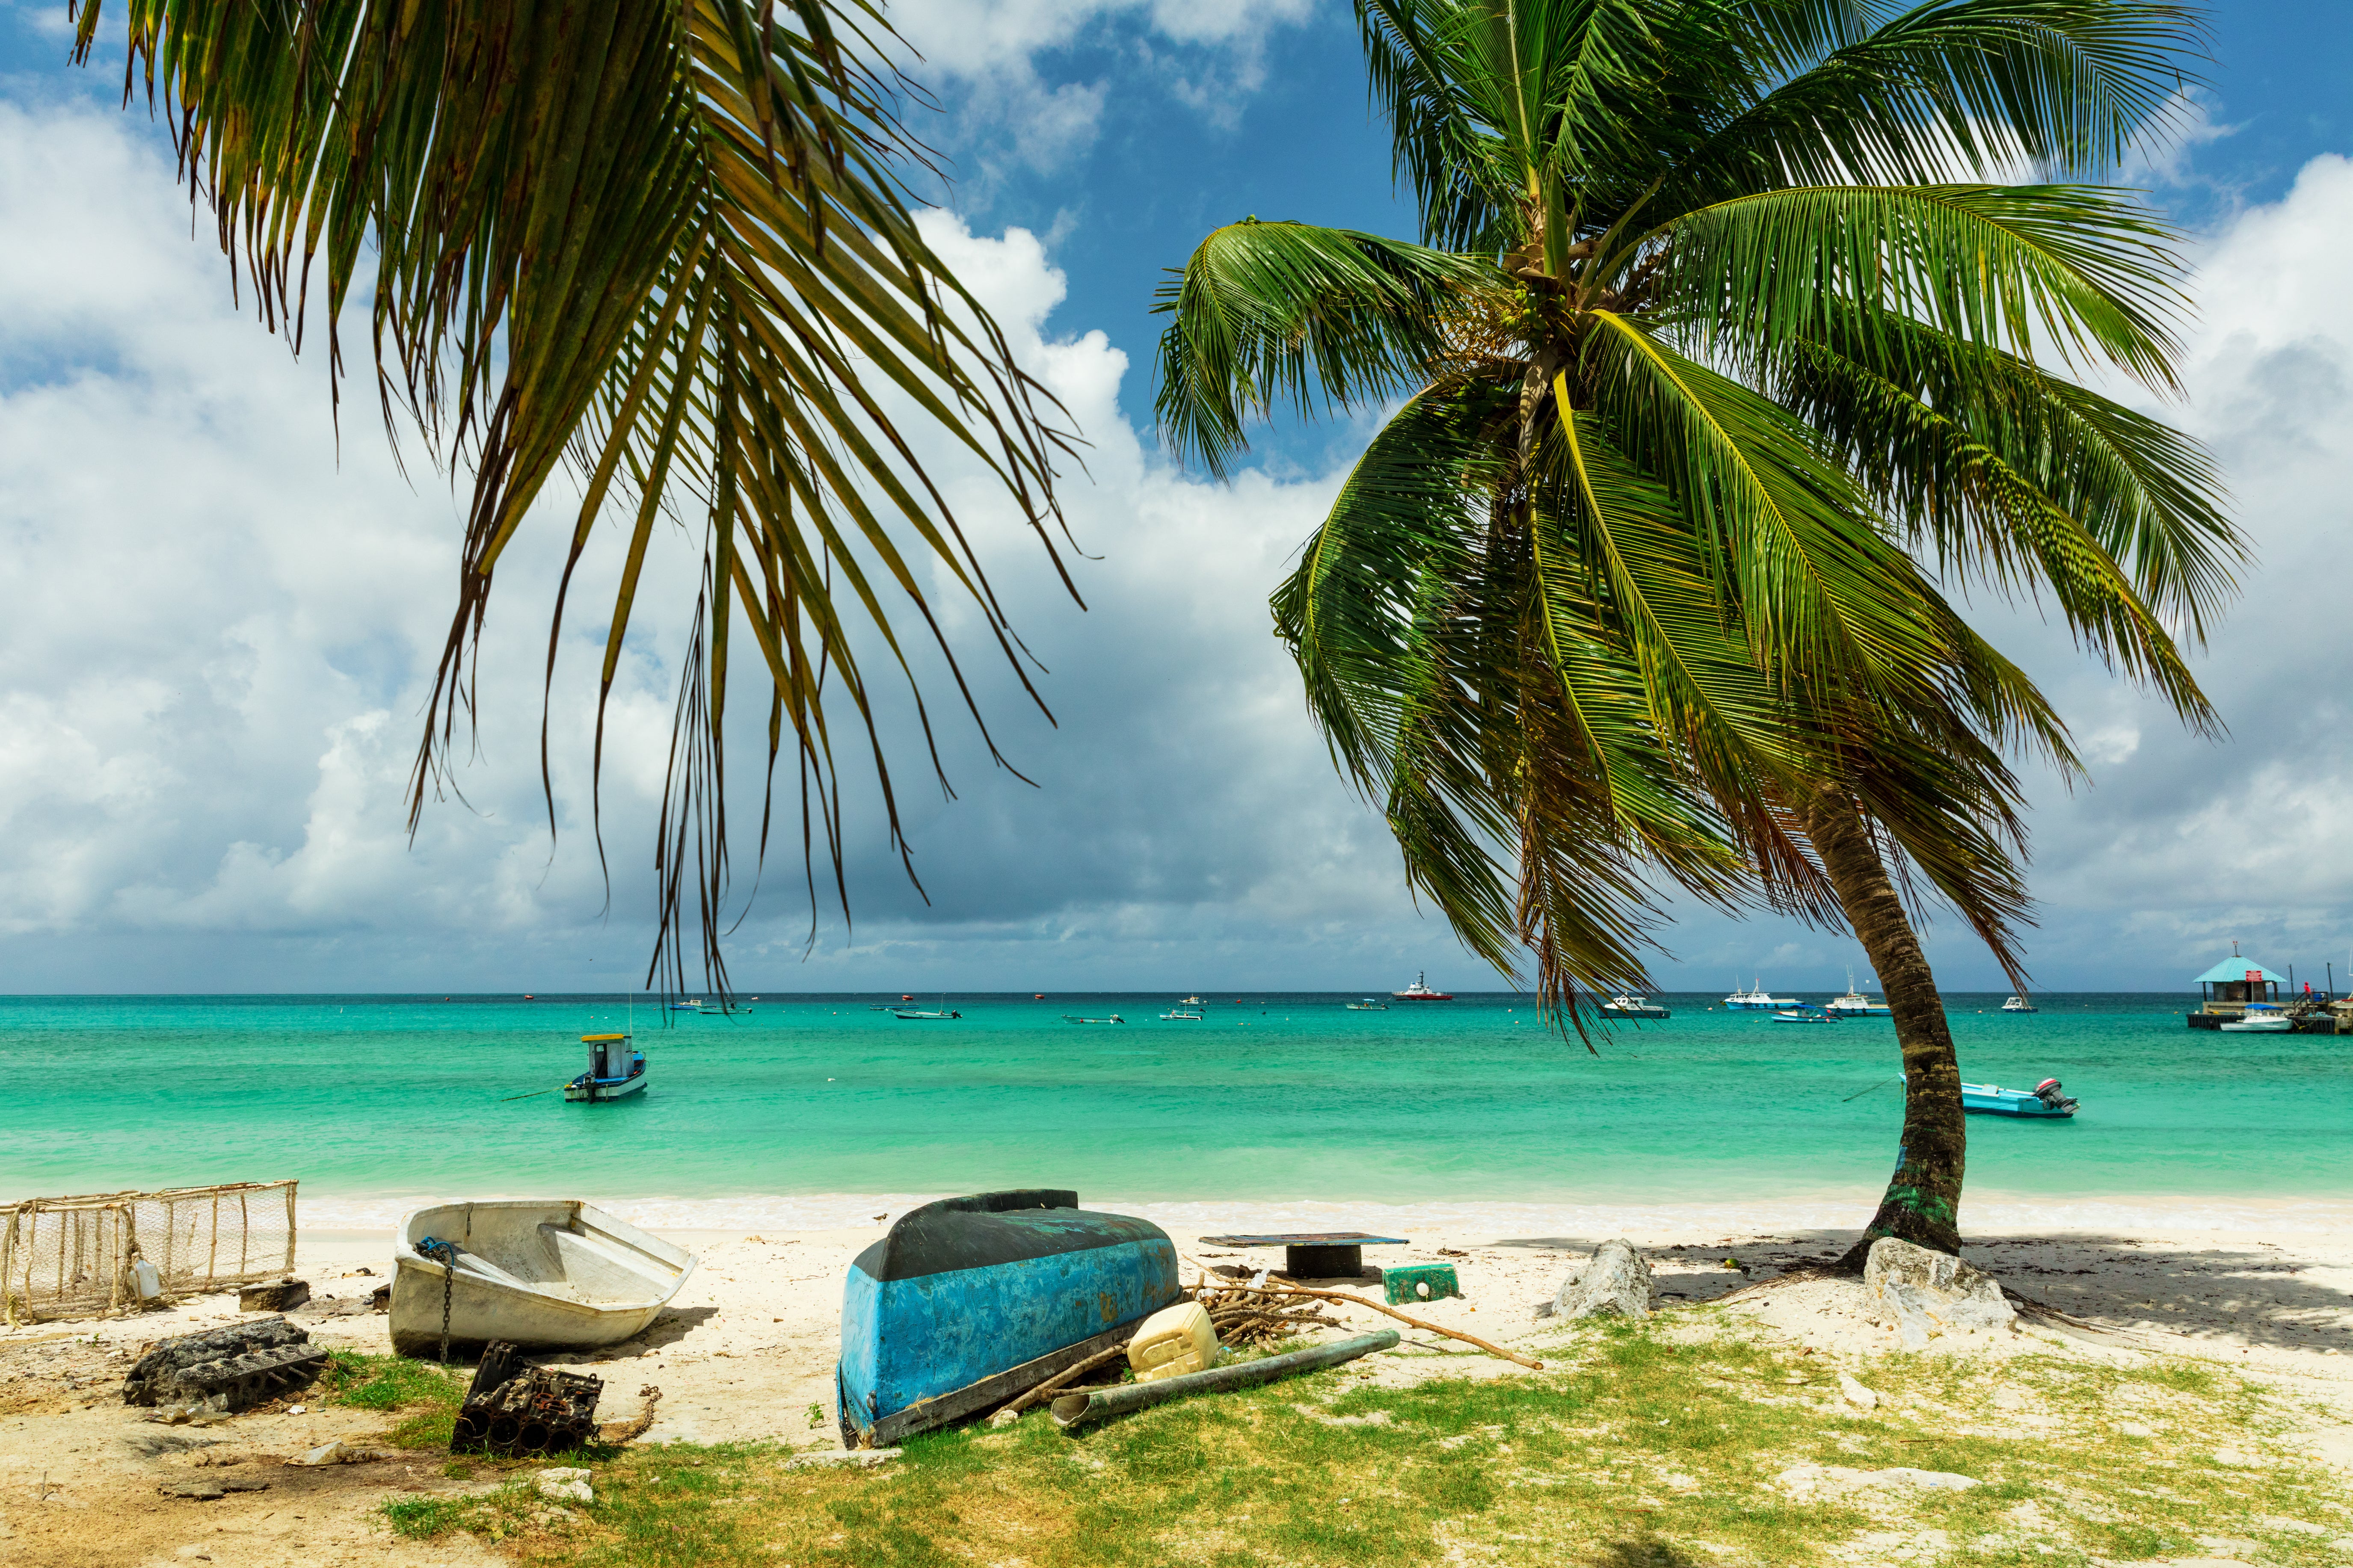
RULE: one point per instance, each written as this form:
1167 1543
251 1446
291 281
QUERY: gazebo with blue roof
2237 981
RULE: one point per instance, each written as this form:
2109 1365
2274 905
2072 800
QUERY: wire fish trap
98 1254
514 1409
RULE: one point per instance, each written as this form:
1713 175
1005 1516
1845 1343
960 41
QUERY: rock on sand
1616 1279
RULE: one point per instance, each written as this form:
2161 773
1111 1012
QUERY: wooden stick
1055 1383
1530 1363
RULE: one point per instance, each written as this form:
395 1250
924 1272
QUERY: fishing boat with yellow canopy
616 1068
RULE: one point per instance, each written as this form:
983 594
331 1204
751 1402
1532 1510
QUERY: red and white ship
1419 991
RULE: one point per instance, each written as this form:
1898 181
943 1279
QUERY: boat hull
1979 1100
541 1273
965 1297
604 1089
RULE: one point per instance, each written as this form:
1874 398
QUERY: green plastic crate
1420 1282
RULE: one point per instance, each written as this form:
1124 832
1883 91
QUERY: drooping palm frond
1285 315
1998 266
670 240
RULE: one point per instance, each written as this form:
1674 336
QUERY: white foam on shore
1985 1214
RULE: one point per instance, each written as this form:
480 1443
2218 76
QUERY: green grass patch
425 1396
1655 1444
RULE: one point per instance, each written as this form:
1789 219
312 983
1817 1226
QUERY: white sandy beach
746 1351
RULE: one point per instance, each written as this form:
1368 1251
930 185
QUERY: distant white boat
2261 1018
1631 1006
1756 999
2020 1005
1369 1004
1419 991
1181 1011
541 1273
1856 1005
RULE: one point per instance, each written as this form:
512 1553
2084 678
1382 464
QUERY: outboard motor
2047 1092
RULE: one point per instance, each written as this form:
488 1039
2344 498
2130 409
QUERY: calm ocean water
1286 1098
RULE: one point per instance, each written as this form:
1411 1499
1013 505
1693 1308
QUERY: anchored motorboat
1804 1013
1369 1004
1856 1005
1756 999
2020 1005
1181 1011
1631 1006
2261 1018
1107 1018
545 1273
2044 1099
616 1068
1419 991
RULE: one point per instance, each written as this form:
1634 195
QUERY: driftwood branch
1493 1350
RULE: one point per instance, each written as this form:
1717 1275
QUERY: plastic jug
1174 1340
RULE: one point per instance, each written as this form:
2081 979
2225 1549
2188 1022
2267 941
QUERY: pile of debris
226 1370
1259 1318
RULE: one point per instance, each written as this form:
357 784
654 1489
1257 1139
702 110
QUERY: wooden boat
2044 1099
969 1301
616 1070
543 1273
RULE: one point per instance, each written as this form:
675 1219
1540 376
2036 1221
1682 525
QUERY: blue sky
206 705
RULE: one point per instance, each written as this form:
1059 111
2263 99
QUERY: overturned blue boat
967 1302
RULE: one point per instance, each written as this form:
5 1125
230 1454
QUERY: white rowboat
546 1273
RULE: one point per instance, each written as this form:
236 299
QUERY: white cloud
1028 81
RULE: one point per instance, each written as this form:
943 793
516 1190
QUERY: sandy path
748 1349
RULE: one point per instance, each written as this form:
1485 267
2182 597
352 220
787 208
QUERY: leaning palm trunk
1922 1203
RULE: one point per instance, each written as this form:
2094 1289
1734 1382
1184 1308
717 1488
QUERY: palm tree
668 244
1727 329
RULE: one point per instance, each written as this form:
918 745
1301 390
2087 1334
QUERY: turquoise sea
1282 1098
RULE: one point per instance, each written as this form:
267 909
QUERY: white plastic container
145 1280
1174 1340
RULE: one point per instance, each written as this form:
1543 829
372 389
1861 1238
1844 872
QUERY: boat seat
475 1263
598 1270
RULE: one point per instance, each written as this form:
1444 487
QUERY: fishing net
76 1257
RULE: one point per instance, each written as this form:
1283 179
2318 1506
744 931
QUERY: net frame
73 1257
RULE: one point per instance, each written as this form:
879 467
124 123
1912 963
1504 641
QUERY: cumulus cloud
1028 82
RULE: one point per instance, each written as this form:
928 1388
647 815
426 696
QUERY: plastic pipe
1073 1411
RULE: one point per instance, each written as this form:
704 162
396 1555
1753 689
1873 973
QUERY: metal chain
446 1251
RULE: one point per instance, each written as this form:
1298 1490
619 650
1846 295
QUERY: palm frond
1274 315
2025 269
1947 91
2001 467
670 243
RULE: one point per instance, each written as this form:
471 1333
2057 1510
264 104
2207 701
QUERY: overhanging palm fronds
670 242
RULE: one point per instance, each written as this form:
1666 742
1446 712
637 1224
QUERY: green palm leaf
669 242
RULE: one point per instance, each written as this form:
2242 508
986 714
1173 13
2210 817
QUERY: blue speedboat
967 1302
2044 1099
